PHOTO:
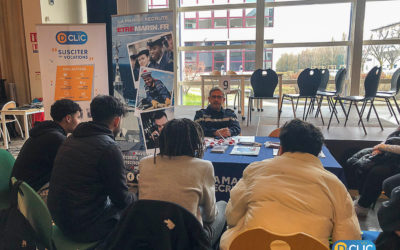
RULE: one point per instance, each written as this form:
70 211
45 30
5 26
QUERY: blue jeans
218 226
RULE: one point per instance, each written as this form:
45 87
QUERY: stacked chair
263 82
371 86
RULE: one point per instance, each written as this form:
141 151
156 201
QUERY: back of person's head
104 108
300 136
182 137
62 108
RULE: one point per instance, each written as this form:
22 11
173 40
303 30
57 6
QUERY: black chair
263 82
308 83
391 94
371 83
339 80
157 225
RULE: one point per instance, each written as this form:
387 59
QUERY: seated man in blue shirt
215 120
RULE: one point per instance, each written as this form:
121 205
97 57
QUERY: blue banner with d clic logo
71 37
353 245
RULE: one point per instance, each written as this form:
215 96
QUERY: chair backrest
215 73
8 105
153 224
6 165
36 212
308 82
395 82
275 133
324 79
372 81
263 82
261 239
339 80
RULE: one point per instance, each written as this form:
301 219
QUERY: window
222 19
158 4
204 61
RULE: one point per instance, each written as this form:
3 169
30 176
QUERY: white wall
64 11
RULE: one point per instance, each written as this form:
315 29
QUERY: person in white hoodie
292 193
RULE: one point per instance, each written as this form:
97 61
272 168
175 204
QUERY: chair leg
294 111
359 115
364 106
369 112
333 111
342 105
305 106
376 113
297 103
310 107
348 113
397 105
388 105
392 110
319 108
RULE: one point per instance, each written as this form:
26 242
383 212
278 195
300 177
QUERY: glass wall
296 35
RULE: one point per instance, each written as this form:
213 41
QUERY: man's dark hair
104 108
216 88
62 108
182 137
159 114
299 136
143 52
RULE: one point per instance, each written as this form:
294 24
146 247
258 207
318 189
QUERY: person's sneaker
360 211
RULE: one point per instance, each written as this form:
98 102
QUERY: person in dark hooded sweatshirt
35 160
88 188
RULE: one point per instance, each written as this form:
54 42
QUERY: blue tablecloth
229 168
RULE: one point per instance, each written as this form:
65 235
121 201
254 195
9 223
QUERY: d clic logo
353 245
71 37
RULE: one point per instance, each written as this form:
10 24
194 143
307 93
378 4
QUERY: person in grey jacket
180 175
88 187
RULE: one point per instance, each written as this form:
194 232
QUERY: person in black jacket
215 120
88 187
35 160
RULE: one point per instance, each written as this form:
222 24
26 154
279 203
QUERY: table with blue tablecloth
229 168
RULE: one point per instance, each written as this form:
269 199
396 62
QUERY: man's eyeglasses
217 96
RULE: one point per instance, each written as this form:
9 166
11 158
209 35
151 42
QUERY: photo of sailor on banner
153 123
155 52
155 89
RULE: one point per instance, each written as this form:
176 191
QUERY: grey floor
264 122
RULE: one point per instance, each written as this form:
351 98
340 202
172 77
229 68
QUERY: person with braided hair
179 175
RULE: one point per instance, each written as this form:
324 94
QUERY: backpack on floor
16 233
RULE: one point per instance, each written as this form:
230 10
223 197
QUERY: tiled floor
264 122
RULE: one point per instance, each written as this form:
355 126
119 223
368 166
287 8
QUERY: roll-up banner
73 64
143 79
